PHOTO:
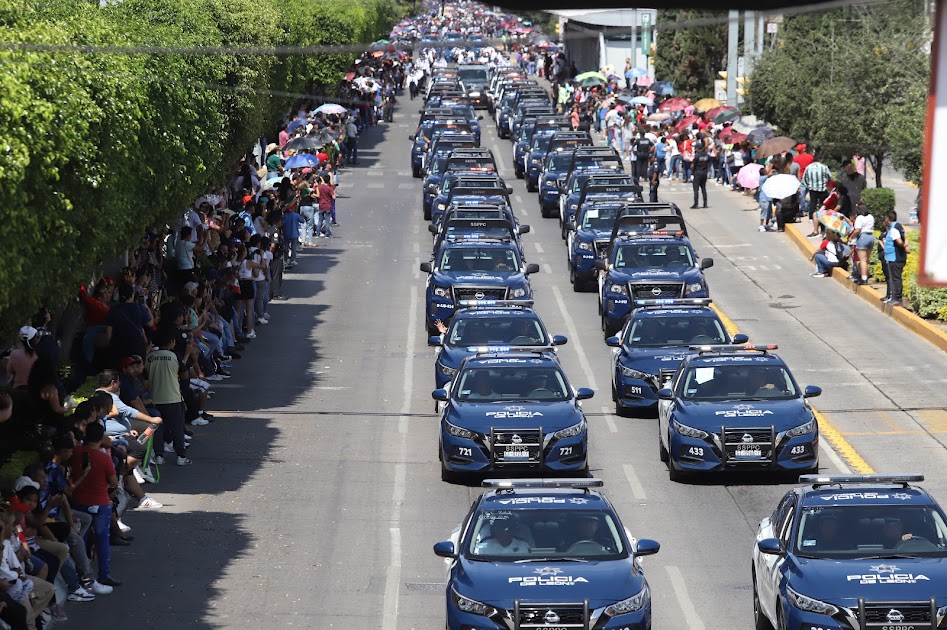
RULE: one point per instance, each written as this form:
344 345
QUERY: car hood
486 279
711 415
842 582
482 416
593 235
499 584
688 274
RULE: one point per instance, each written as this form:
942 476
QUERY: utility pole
733 37
633 54
749 41
760 30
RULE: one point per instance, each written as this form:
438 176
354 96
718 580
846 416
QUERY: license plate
749 452
516 453
900 626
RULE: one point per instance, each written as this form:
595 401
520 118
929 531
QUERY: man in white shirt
501 541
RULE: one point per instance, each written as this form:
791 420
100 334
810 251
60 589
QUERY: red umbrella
674 105
349 76
685 123
716 111
378 54
732 136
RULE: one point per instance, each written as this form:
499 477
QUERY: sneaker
148 476
206 416
138 476
817 275
159 459
223 373
80 595
235 355
44 620
762 228
885 300
168 448
262 322
111 582
214 377
123 527
238 347
101 589
225 357
150 504
188 438
251 334
183 461
58 612
694 207
336 224
199 422
895 303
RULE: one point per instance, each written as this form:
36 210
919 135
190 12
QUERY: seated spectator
21 359
32 593
830 254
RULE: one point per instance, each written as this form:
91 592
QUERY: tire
519 173
663 452
449 476
416 172
780 621
674 474
576 283
427 214
759 619
614 396
543 210
530 187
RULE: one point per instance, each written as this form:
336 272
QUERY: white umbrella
780 186
212 199
746 124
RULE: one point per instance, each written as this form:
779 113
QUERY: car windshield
494 260
473 75
872 531
600 217
598 161
749 379
654 256
541 143
674 331
556 161
492 229
440 160
545 535
519 382
497 331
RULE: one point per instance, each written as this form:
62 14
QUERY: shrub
929 303
879 201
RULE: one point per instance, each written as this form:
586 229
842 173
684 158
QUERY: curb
918 325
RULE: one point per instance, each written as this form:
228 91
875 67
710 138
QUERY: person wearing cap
21 360
274 163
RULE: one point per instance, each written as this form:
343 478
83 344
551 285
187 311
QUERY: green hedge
879 201
97 146
926 302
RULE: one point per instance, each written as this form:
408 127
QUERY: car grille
651 291
516 447
897 614
749 445
601 249
534 615
479 293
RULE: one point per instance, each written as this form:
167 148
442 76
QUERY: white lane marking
612 427
416 246
539 247
518 199
683 599
406 186
832 455
574 339
346 185
393 573
501 162
404 173
636 488
547 268
416 272
375 185
524 212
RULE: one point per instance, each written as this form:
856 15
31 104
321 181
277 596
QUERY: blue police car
542 145
481 270
657 337
852 552
488 326
545 553
512 411
736 408
649 257
555 170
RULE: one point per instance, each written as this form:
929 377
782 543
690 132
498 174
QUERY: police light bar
734 348
667 233
543 483
675 302
828 480
492 303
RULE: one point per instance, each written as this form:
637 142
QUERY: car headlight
443 292
446 371
467 605
808 604
633 603
572 431
573 206
586 246
460 432
690 432
518 293
534 161
618 288
432 188
694 287
632 373
441 206
802 429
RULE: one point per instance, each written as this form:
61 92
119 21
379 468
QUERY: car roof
847 495
520 358
495 311
497 244
690 311
544 498
734 358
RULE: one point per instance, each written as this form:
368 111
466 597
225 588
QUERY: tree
689 57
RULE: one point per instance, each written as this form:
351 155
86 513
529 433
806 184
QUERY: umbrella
587 79
774 146
641 100
608 70
645 82
330 108
295 125
674 105
732 136
726 115
324 137
780 186
213 200
659 117
685 123
663 88
760 135
713 112
706 104
749 176
302 143
301 161
634 73
272 183
836 222
746 124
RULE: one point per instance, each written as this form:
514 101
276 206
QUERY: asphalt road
315 497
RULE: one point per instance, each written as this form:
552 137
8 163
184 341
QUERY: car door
768 567
666 406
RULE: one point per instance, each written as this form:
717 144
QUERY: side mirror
532 268
432 228
439 395
613 342
665 394
509 190
599 264
559 340
647 547
480 117
584 393
812 391
434 340
445 549
706 263
770 546
524 229
740 338
411 137
426 267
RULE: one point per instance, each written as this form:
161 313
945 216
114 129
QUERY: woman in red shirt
96 309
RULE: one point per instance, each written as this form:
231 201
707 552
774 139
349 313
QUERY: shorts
865 241
247 289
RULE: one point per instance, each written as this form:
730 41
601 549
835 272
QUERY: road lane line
393 573
417 268
518 199
607 413
842 453
547 268
683 599
636 488
539 247
574 339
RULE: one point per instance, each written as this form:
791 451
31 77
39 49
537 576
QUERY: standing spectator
184 255
292 221
351 142
687 158
660 153
260 266
864 238
801 162
766 204
853 181
816 180
92 492
325 195
21 360
164 368
644 148
701 167
125 326
274 164
895 255
674 151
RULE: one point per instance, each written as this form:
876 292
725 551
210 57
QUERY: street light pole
733 37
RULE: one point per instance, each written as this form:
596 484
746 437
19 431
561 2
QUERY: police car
852 552
488 326
512 411
466 158
545 553
736 408
649 257
490 193
595 183
466 179
421 139
555 170
657 337
542 145
482 270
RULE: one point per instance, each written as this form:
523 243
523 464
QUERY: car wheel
662 452
780 621
614 395
762 623
576 283
530 187
674 474
416 172
564 233
519 173
448 475
427 214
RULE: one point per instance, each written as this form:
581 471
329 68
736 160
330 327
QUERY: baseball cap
132 360
27 333
190 286
22 482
